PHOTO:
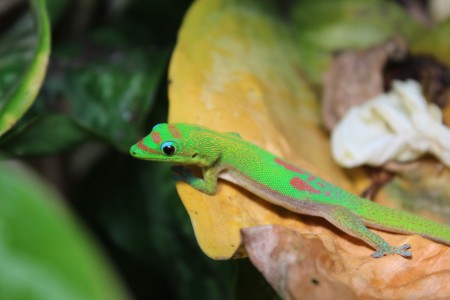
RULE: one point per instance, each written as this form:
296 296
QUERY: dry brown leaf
295 266
300 267
427 183
235 69
433 76
355 77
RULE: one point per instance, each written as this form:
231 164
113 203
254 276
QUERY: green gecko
229 157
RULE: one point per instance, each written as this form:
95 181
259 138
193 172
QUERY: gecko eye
168 148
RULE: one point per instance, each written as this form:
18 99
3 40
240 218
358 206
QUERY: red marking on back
174 131
288 166
301 185
156 137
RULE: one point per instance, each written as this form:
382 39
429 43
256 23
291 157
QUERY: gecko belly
302 206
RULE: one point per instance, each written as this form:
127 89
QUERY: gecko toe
402 250
405 246
377 254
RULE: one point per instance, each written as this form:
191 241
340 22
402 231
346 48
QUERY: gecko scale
229 157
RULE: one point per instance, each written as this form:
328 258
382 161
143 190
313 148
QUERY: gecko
229 157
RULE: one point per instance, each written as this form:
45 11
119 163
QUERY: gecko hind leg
350 223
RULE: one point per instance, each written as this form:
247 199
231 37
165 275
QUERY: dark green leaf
21 54
110 95
46 134
43 253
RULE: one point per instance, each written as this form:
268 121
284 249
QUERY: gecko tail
407 223
443 239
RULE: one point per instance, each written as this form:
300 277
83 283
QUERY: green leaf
17 93
111 93
55 8
434 42
323 27
340 24
113 100
105 86
43 253
43 135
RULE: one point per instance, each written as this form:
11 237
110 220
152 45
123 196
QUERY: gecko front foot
184 174
402 250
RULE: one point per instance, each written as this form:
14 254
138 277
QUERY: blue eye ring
168 148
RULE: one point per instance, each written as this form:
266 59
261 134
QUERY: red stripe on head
145 148
174 131
156 137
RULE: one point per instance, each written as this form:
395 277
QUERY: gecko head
175 143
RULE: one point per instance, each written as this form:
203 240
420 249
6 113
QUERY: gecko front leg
207 185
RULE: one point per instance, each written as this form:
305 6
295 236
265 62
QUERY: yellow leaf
235 69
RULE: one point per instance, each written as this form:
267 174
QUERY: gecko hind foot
402 250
